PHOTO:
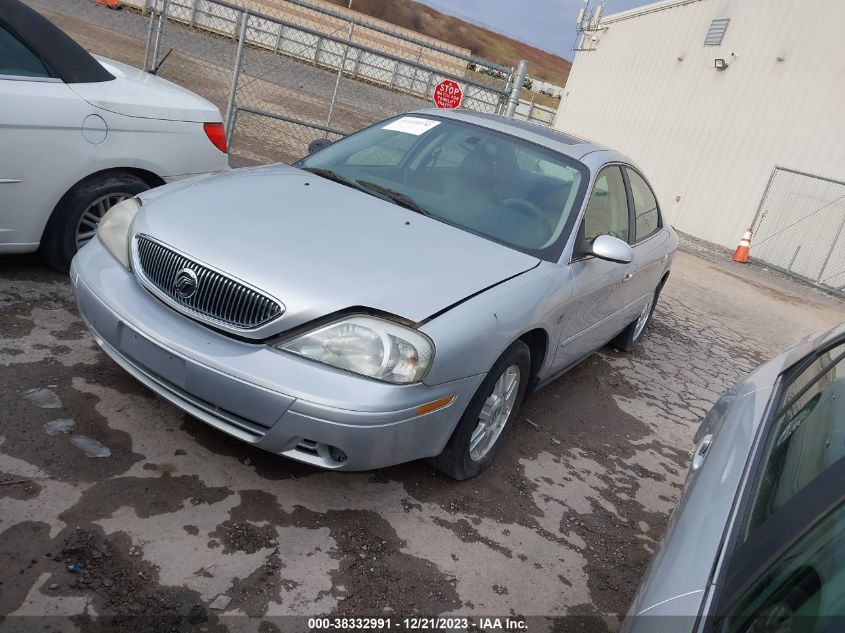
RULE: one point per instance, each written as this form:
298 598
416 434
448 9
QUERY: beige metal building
709 96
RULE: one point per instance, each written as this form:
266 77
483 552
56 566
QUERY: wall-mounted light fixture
720 64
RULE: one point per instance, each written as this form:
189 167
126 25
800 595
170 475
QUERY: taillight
217 135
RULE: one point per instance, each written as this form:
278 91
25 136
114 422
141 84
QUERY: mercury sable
393 296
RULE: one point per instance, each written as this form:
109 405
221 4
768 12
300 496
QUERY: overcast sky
546 24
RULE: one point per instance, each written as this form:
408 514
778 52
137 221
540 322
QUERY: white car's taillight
217 135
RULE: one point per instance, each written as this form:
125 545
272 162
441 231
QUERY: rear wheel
76 218
630 337
486 423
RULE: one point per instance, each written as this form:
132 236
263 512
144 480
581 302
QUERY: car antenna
154 71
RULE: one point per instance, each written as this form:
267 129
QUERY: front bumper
274 400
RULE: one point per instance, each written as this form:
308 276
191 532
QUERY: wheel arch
537 341
150 178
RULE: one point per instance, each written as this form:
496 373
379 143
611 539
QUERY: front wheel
486 423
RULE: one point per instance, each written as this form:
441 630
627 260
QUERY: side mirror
612 249
317 144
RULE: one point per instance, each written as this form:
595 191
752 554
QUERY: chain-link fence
534 112
799 227
285 72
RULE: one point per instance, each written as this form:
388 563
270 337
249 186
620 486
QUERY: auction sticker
411 125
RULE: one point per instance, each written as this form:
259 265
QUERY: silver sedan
393 296
757 542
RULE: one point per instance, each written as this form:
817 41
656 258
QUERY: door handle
701 451
628 275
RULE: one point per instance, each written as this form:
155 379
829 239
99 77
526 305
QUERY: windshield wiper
331 175
393 196
372 188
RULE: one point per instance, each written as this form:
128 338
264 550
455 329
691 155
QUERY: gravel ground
179 526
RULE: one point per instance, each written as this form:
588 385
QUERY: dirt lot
178 514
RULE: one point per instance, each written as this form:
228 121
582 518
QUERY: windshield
498 186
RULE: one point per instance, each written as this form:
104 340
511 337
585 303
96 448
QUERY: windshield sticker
411 125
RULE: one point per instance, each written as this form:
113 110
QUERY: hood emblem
186 284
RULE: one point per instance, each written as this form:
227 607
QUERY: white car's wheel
75 220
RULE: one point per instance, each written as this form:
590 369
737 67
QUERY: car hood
320 247
136 93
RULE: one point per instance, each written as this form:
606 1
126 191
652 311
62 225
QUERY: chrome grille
218 298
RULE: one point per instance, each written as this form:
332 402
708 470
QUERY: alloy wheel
495 413
643 318
86 227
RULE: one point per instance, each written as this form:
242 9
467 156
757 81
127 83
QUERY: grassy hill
481 41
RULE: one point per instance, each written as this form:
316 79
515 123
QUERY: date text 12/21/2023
417 623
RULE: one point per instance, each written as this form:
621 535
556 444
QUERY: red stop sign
448 94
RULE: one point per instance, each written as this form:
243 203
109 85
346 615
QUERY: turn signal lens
217 135
434 406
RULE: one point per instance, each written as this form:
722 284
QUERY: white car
80 134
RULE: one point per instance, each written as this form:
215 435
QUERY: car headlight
365 345
113 230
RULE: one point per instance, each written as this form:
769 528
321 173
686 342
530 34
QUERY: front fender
470 337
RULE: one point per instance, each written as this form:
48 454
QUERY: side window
646 215
802 588
806 438
17 60
388 152
607 209
788 569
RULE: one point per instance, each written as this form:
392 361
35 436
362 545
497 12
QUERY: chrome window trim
49 80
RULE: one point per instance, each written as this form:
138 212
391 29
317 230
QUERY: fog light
336 454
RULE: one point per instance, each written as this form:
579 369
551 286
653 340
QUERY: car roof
562 142
64 58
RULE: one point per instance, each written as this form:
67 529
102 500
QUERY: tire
629 339
67 230
460 460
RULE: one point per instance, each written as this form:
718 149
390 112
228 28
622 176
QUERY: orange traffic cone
111 4
741 252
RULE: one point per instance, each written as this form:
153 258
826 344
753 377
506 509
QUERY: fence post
758 215
149 43
317 48
516 89
162 18
230 105
194 5
280 38
339 75
832 248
